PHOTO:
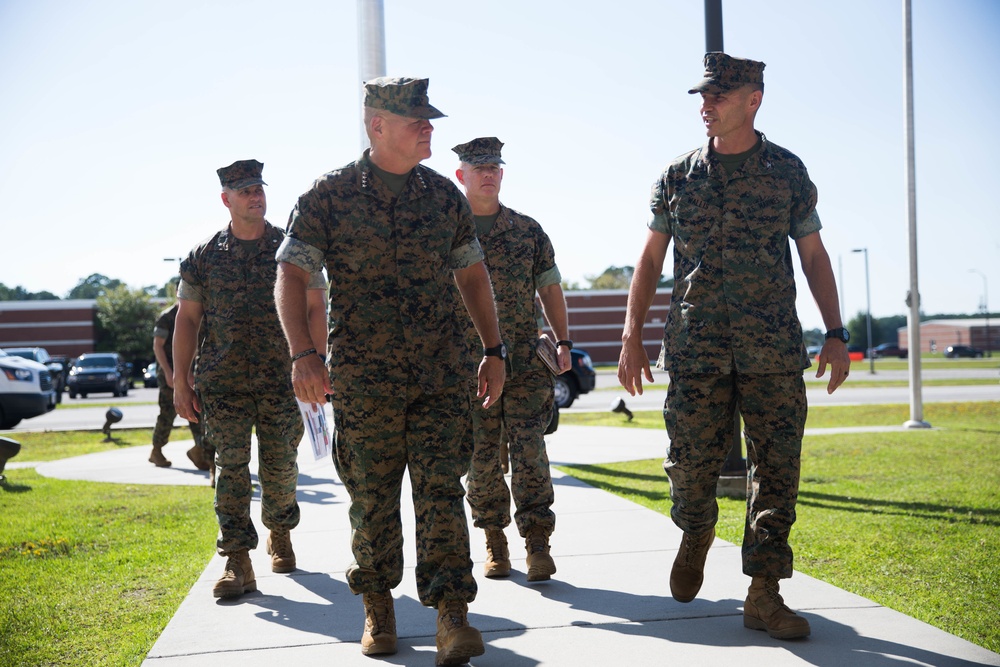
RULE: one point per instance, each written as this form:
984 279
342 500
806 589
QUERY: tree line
125 316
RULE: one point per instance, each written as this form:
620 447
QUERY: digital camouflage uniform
243 379
733 340
521 260
164 328
397 365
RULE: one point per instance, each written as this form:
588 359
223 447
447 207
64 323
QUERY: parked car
579 379
25 390
98 372
57 370
149 376
889 350
955 351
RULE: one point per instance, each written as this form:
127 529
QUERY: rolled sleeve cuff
300 254
810 225
546 278
466 255
317 280
658 223
160 332
189 292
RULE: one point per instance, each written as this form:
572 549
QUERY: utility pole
868 311
913 295
371 49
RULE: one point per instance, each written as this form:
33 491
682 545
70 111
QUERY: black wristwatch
839 333
498 351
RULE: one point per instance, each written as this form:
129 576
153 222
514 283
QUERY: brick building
597 317
942 333
62 327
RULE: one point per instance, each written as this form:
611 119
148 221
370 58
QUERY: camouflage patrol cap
484 150
400 95
241 174
724 73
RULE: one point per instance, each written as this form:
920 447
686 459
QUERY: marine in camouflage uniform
732 341
395 238
242 377
521 261
163 348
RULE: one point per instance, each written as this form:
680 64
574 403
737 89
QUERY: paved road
139 409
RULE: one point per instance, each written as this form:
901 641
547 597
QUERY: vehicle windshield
95 362
24 354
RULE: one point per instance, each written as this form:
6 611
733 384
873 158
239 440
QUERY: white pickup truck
25 390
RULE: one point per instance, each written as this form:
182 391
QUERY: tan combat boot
765 609
497 554
197 456
380 625
279 548
238 577
540 564
157 458
457 641
688 571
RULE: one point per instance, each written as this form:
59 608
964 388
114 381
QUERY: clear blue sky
115 114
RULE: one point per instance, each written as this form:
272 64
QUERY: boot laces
694 548
281 544
771 590
378 611
537 541
453 614
496 546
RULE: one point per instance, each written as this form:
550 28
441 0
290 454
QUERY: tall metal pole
913 295
734 466
713 25
868 311
986 309
371 47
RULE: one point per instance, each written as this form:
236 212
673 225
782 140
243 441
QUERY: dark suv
579 379
97 372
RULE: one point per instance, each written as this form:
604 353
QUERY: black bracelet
303 353
567 343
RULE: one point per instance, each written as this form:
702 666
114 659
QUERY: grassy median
909 519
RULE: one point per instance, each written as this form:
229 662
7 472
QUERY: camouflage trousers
377 439
229 420
521 416
699 413
165 420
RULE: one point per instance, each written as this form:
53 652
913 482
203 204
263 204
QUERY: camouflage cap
724 73
401 95
484 150
241 174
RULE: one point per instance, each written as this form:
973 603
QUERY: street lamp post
868 311
986 309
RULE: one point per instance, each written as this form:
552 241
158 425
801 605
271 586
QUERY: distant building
939 334
597 319
63 327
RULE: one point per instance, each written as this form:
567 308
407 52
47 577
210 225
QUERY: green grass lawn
91 573
909 519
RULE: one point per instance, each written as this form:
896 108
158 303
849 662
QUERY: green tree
93 286
620 277
126 318
20 294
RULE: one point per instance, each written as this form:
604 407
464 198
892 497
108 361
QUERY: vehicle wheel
564 393
125 390
72 394
117 392
83 394
8 423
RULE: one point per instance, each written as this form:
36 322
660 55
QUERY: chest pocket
692 220
765 207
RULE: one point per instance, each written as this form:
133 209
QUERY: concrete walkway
608 604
